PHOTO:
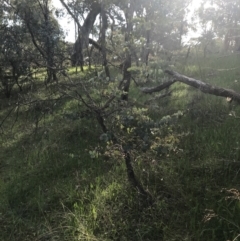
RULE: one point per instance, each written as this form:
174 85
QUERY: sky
68 25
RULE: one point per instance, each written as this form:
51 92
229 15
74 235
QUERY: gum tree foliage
155 27
154 22
222 19
14 62
44 34
15 51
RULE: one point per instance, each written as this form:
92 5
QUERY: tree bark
103 42
84 31
146 49
125 83
83 37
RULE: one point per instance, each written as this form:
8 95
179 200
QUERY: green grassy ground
52 189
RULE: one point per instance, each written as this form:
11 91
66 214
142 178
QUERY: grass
51 188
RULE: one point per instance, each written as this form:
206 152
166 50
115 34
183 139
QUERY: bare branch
204 87
8 114
72 15
33 37
109 101
158 88
158 97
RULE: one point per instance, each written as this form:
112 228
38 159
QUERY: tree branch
158 88
33 37
204 87
72 15
158 97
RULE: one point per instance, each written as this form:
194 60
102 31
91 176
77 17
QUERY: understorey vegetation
129 133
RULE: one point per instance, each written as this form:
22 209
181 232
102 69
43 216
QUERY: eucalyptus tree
77 10
15 51
223 19
14 57
45 33
130 30
152 26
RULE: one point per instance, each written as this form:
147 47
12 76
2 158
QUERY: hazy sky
66 23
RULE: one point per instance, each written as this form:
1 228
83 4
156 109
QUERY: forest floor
52 188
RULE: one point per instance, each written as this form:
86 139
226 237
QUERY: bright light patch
66 23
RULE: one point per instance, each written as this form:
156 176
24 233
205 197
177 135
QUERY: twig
158 88
8 114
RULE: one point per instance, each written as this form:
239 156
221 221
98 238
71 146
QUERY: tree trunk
83 37
103 40
146 49
125 83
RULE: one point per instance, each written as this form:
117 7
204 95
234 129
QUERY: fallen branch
204 87
158 97
198 84
158 88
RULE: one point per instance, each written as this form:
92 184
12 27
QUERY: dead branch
8 114
158 88
204 87
109 101
158 97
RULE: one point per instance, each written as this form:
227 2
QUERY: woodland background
131 132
